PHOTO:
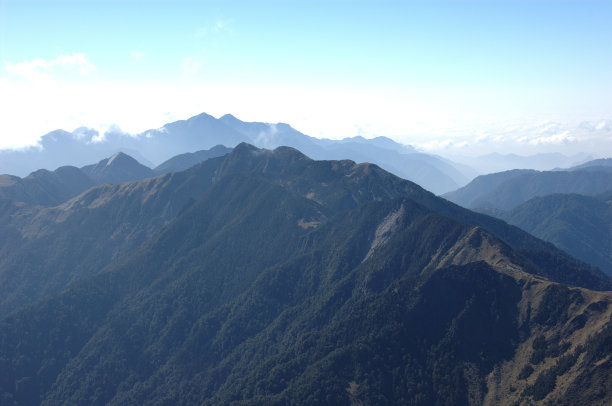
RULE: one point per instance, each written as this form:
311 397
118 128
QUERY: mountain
598 163
496 162
433 173
152 147
44 187
62 148
204 131
506 190
52 247
45 249
270 278
483 185
580 225
117 169
185 161
47 188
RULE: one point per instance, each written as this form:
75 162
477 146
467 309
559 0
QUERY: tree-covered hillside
264 277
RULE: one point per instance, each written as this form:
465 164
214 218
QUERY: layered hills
51 188
506 190
580 225
43 187
265 277
569 207
203 132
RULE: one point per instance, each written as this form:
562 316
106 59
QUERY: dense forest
264 277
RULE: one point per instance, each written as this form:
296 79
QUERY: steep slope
343 184
54 246
518 187
580 225
258 294
185 161
51 247
118 168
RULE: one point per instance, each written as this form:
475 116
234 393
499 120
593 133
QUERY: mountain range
497 162
506 190
202 132
580 225
51 188
265 277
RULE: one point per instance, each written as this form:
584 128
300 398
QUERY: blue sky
418 71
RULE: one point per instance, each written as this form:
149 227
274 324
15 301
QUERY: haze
449 77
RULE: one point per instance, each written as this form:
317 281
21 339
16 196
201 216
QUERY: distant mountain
152 147
483 185
598 163
580 225
117 169
47 188
44 187
62 148
185 161
507 190
270 278
497 162
431 172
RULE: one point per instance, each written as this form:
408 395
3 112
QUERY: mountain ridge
578 224
127 215
506 190
204 132
323 314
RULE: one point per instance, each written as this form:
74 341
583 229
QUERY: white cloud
75 61
38 96
527 138
40 70
563 137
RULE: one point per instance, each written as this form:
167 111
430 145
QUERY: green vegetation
507 190
546 381
224 298
580 225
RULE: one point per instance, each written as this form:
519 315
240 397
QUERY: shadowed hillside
263 277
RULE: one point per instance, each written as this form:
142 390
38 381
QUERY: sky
444 76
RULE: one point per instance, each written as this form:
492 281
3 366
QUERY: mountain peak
201 117
120 158
118 168
229 117
246 147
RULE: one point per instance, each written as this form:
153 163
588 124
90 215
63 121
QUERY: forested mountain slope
50 247
578 224
506 190
256 294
